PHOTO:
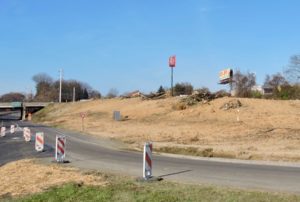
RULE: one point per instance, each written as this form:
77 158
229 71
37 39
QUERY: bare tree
95 94
44 87
275 80
293 69
42 77
12 97
112 93
243 83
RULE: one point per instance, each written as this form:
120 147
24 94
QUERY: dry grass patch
227 125
28 176
193 151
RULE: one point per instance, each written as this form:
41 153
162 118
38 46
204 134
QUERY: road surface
93 153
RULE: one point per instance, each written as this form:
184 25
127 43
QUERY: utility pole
60 83
73 94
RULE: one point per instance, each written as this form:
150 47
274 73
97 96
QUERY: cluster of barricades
39 140
60 147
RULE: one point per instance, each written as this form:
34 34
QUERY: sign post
172 64
82 115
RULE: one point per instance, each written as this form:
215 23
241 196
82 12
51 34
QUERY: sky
125 44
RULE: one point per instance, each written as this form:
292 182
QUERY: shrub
183 89
203 90
287 92
112 93
256 94
222 93
179 106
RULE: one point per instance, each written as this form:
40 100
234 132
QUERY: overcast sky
125 44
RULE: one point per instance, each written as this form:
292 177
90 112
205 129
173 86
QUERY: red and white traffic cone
60 149
147 161
39 142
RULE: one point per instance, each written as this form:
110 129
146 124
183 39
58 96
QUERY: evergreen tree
85 94
161 90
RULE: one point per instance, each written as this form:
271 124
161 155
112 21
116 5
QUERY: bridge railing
23 104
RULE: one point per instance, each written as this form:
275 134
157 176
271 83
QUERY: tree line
47 90
282 85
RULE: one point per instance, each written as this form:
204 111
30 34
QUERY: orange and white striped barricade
60 148
39 141
12 129
3 131
147 161
27 134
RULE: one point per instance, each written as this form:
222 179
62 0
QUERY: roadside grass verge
193 151
132 190
41 115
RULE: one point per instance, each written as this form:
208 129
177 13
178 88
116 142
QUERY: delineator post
60 148
39 141
147 161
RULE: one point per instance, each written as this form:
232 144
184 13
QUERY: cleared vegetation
226 127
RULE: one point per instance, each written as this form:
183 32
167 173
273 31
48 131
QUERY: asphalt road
93 153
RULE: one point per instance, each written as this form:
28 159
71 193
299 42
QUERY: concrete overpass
24 107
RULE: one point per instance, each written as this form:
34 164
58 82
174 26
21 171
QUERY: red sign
82 114
172 61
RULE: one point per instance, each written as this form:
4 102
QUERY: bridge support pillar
23 112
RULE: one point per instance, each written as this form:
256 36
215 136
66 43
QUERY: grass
132 190
42 114
97 115
179 106
193 151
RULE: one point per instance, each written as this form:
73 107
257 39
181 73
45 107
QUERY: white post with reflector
27 134
12 129
147 161
3 129
39 141
60 149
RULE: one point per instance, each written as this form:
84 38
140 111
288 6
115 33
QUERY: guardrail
23 104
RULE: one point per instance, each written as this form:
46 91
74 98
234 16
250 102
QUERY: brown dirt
27 176
259 129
